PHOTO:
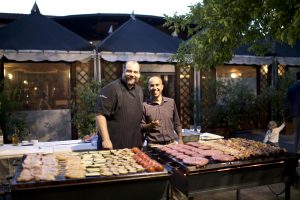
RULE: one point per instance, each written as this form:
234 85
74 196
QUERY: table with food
209 163
110 174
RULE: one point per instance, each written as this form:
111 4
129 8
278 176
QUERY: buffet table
276 167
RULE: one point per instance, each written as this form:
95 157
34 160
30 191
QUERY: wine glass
192 128
199 129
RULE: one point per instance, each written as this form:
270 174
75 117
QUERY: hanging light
10 76
233 75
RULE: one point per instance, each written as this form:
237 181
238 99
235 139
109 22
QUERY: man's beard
131 81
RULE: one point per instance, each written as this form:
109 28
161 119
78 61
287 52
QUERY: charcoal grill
143 185
222 176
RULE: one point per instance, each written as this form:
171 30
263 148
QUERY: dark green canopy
37 32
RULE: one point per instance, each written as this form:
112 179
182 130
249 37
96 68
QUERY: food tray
210 136
62 180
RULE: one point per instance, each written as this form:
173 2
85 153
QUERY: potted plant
83 107
12 122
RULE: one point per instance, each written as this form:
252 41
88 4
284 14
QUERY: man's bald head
155 87
155 78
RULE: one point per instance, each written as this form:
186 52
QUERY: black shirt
122 108
293 100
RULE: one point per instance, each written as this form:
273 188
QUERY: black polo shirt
122 108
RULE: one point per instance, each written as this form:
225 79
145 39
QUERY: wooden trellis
83 74
110 71
185 77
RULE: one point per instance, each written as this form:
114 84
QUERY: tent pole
274 72
99 67
95 65
197 98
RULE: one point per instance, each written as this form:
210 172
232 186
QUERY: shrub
231 106
83 107
11 101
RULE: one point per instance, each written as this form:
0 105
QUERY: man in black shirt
292 104
119 111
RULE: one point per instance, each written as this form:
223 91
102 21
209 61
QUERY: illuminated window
43 86
245 74
280 70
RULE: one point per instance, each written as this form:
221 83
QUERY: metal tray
61 180
173 163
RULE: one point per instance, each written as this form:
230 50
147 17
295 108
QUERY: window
42 86
245 74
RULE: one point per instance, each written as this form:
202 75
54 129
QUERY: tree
217 27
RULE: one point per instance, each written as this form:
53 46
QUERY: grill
143 185
222 176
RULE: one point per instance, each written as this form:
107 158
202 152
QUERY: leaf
224 39
244 23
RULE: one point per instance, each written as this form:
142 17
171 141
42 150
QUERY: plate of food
26 143
210 136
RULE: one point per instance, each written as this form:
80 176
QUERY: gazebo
139 41
45 57
37 38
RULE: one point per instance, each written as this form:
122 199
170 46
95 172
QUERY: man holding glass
160 117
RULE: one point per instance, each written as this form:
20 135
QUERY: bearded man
119 111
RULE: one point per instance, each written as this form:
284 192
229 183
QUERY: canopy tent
287 55
281 52
136 40
37 38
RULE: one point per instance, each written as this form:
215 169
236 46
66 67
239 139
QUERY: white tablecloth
9 151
